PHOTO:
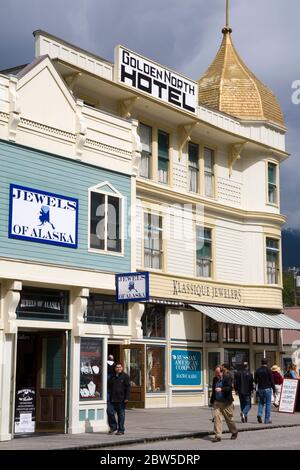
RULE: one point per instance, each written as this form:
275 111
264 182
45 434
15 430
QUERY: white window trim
279 269
277 203
114 193
154 270
211 277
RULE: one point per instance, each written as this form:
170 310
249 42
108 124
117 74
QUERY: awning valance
247 317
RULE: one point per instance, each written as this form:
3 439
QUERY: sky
182 34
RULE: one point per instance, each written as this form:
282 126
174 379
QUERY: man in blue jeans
243 385
119 391
265 387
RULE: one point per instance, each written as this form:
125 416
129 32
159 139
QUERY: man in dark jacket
119 390
222 401
265 386
244 385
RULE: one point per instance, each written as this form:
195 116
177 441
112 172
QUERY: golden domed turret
229 86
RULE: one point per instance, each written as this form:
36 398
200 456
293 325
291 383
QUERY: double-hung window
105 222
145 133
209 177
153 241
203 252
163 157
193 155
272 184
272 260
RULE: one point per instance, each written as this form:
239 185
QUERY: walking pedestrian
119 390
278 381
292 372
265 387
222 402
244 386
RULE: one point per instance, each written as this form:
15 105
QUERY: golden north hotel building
187 175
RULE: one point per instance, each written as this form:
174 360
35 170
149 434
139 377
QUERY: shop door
133 360
51 372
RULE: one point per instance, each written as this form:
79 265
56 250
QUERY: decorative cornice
58 133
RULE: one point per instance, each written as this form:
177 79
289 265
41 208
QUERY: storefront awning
247 317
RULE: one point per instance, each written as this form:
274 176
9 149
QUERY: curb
171 437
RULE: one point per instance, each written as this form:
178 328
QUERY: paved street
151 424
273 439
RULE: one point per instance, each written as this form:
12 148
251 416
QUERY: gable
44 98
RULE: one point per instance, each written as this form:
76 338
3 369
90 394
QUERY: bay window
272 261
272 183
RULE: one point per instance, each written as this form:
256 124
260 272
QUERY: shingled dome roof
229 86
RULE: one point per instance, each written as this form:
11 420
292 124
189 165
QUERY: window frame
242 328
149 154
262 335
197 169
213 173
163 316
160 131
206 227
112 193
279 264
162 250
276 184
209 331
109 299
164 374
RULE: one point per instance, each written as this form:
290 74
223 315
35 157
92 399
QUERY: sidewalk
146 425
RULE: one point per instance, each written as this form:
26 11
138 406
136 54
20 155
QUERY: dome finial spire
227 30
227 14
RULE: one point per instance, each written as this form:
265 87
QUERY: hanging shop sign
288 396
43 217
132 287
153 79
25 411
186 367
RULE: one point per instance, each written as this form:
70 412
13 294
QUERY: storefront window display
235 334
235 358
153 321
155 380
91 353
264 336
211 330
105 310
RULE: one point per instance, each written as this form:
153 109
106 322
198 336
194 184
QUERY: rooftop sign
153 79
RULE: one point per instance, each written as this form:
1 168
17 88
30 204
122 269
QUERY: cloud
184 35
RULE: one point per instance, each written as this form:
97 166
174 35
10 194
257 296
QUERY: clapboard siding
55 174
181 246
229 255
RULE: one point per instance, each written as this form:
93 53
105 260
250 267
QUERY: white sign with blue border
186 367
43 217
132 287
